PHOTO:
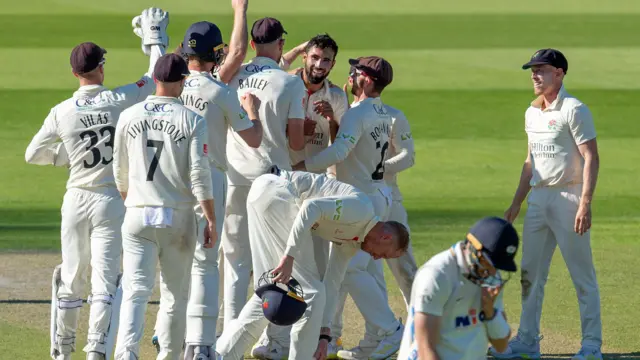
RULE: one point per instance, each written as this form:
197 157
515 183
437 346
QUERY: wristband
497 327
325 337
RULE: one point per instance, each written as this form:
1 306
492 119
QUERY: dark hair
400 232
322 41
377 87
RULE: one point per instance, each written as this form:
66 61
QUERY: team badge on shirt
553 124
205 150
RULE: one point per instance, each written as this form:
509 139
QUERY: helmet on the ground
282 304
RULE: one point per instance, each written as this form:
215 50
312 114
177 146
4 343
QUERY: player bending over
284 212
92 210
456 302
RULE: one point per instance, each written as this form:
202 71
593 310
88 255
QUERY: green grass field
457 76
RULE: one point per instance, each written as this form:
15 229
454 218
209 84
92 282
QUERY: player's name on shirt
165 126
379 130
90 120
253 83
194 101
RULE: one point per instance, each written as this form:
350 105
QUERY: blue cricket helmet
281 306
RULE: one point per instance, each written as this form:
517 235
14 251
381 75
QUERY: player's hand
321 351
583 219
210 235
250 103
151 26
323 108
489 296
299 166
283 271
309 127
240 5
512 213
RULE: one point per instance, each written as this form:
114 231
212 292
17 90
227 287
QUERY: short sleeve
581 124
431 291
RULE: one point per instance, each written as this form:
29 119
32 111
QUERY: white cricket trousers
90 236
143 247
237 252
272 207
202 311
378 323
549 222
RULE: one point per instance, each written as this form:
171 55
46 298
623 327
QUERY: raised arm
291 56
238 44
45 147
403 144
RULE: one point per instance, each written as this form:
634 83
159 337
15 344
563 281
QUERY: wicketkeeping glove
151 27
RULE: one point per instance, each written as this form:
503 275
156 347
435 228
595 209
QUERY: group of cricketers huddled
222 170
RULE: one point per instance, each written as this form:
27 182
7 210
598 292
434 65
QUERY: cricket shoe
389 345
361 352
261 348
518 349
587 353
332 349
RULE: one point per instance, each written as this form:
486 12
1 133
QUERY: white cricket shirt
441 289
161 155
554 135
334 211
86 124
402 154
220 106
321 139
281 98
361 146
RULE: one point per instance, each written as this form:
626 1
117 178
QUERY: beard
314 79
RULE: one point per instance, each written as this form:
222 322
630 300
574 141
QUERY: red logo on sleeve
141 83
204 149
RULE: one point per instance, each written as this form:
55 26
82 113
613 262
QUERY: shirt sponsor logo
338 212
192 83
379 109
405 136
88 102
349 138
467 320
254 68
543 151
158 108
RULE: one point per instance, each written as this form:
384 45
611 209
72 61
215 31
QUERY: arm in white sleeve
339 258
199 162
403 143
121 158
347 209
45 147
130 94
348 135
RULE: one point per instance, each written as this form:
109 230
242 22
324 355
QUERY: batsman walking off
92 210
284 210
559 175
161 169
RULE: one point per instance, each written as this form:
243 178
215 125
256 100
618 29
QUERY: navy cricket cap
202 38
282 307
551 57
170 68
266 30
378 68
86 57
498 239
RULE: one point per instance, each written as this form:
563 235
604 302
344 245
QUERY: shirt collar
201 73
163 99
555 105
368 227
459 255
89 90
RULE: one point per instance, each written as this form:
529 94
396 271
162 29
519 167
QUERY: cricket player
219 105
285 209
559 175
359 153
281 112
456 301
161 169
79 133
326 103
